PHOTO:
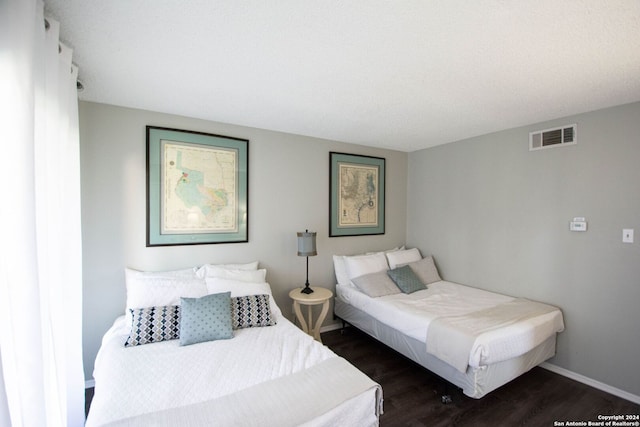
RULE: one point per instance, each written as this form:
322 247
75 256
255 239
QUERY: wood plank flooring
412 395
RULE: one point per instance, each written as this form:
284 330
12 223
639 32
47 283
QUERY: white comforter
156 377
413 313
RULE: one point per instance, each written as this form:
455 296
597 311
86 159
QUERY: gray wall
493 214
496 216
288 192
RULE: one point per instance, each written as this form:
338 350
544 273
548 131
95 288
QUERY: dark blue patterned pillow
251 311
154 324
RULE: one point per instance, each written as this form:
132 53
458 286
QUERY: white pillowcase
202 271
366 264
154 291
130 273
233 274
237 288
397 248
216 285
149 291
340 266
340 269
406 256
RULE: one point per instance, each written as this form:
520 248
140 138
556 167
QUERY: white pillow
366 264
144 291
397 248
216 285
237 288
340 268
155 291
234 274
201 272
245 266
403 257
130 273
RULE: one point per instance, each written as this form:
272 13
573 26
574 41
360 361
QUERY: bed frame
475 382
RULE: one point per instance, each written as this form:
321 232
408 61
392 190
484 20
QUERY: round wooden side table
319 296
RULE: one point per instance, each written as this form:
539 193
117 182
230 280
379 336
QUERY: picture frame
356 195
197 188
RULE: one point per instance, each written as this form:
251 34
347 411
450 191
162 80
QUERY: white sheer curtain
41 375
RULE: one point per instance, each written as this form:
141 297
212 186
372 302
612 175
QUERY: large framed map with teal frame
356 195
197 188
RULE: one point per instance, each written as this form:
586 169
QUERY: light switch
627 235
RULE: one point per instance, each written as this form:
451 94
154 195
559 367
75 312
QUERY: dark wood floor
412 395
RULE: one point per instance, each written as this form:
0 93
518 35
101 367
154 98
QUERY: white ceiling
404 75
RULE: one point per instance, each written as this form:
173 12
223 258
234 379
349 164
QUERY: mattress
134 383
413 314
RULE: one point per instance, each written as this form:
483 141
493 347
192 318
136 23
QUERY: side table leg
303 323
323 314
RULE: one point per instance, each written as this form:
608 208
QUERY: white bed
268 376
475 339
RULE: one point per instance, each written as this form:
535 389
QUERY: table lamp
307 248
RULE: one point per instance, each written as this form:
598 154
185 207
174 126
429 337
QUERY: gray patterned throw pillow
251 311
154 324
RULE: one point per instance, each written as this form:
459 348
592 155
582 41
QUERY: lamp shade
307 243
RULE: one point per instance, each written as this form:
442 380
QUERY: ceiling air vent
556 137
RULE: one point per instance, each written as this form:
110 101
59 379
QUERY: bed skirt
475 382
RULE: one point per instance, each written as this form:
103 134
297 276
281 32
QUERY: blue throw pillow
406 279
205 319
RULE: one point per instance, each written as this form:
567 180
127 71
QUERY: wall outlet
627 235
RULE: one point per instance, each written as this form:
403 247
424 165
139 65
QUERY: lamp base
306 290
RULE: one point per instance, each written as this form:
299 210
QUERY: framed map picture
197 188
356 205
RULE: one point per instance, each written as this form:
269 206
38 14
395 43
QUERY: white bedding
412 314
131 381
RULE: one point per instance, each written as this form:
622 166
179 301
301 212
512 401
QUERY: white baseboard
591 382
330 327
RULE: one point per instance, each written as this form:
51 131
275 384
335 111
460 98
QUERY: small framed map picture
356 195
197 188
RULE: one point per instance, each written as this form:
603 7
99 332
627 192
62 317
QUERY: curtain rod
79 84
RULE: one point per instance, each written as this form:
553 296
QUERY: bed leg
344 325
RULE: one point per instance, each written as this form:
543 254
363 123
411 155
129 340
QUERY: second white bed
401 322
412 314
